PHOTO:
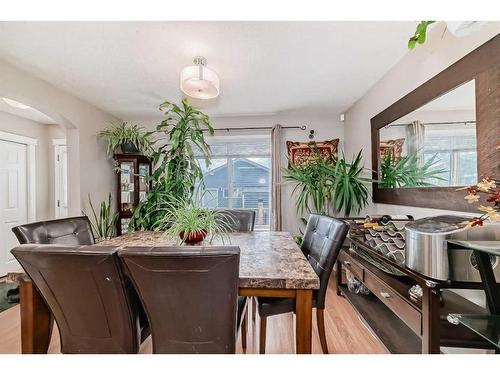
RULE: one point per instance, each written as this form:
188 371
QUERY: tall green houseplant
175 167
325 184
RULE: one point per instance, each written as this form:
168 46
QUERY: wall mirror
434 145
441 136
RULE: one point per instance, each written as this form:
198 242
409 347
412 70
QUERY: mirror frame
481 65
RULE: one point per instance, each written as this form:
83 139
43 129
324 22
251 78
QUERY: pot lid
443 224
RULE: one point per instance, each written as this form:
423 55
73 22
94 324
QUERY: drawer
353 267
393 301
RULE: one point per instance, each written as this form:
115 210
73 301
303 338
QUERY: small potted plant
188 222
131 139
103 222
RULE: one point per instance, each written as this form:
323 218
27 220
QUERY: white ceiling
128 68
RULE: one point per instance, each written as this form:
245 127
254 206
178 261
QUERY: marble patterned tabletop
267 259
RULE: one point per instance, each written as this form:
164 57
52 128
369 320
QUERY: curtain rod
303 127
436 123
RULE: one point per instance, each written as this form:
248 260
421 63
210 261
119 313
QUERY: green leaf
175 172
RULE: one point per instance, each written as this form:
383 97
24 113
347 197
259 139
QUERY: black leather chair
85 288
67 231
190 294
71 231
323 239
239 220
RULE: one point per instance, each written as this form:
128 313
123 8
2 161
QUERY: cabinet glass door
127 185
124 225
143 181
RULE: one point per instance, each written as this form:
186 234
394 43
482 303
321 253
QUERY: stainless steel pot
427 253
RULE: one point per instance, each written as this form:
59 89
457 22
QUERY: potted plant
176 168
185 220
130 138
328 183
103 223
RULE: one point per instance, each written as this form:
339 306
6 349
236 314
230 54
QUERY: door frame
56 142
31 144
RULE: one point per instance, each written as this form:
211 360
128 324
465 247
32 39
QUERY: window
239 176
455 148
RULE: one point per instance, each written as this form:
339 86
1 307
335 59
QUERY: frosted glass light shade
199 82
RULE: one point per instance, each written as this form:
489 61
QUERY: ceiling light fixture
15 104
198 81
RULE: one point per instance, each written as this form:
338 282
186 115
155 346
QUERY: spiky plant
103 223
407 172
183 217
117 134
322 184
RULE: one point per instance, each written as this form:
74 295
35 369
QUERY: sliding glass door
239 176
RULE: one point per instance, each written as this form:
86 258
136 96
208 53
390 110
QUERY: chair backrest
67 231
84 287
189 294
239 220
323 239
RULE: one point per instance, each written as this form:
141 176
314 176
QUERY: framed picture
394 146
300 153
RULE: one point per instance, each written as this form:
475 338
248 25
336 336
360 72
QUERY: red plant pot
194 237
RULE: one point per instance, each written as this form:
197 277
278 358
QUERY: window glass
454 146
239 176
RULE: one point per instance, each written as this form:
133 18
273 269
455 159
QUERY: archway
72 142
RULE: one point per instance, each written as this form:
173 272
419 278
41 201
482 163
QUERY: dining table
271 265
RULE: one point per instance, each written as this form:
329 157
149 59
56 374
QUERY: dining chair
323 239
71 231
190 294
239 220
67 231
86 291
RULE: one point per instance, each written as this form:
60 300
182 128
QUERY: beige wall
89 168
440 51
326 128
44 157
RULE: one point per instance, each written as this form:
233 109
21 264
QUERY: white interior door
61 180
13 199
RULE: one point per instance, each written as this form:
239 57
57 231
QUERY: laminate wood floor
345 332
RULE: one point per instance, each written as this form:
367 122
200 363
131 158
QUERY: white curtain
415 134
276 224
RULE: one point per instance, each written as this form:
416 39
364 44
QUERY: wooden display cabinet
132 186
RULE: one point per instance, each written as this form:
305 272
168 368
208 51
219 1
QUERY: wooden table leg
36 319
430 320
303 311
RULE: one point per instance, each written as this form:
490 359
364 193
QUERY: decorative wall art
300 153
